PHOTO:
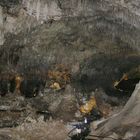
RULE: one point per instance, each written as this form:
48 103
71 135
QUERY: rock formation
96 40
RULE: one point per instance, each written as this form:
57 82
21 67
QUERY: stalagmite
128 118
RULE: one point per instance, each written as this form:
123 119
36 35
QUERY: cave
54 53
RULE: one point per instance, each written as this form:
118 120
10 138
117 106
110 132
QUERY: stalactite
1 27
42 10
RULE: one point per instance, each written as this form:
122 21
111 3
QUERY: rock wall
96 40
119 12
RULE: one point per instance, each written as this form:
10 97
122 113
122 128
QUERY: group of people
20 85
